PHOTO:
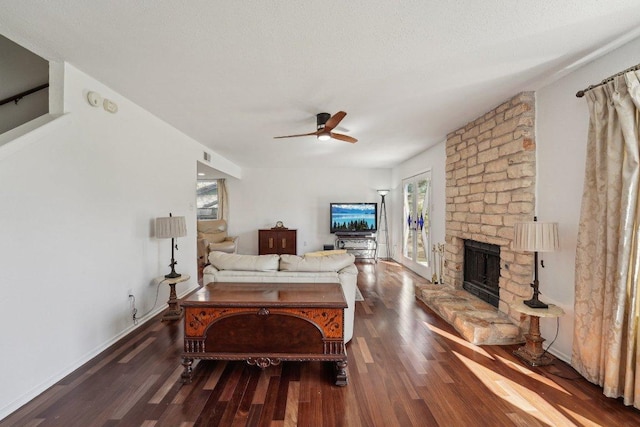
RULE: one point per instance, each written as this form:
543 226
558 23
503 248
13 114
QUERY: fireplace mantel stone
490 185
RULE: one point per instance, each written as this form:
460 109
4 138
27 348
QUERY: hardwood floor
407 367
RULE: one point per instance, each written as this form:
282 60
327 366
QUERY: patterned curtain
223 198
606 342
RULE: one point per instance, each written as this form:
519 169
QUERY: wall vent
206 156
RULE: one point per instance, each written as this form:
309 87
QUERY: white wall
562 124
433 159
299 197
78 200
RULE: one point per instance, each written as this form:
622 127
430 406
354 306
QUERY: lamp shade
170 227
535 236
383 192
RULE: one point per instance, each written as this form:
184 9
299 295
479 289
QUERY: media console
362 246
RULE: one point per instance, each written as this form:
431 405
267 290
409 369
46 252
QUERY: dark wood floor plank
231 411
245 404
293 403
283 390
407 367
269 406
216 403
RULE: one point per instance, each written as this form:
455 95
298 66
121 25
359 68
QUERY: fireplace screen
482 271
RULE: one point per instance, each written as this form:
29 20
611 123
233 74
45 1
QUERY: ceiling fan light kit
325 125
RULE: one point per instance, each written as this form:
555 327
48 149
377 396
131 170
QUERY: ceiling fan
326 124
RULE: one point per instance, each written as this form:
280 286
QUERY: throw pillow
225 261
325 263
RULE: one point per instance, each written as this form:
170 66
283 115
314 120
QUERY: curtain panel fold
223 197
606 334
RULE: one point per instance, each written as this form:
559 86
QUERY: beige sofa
333 268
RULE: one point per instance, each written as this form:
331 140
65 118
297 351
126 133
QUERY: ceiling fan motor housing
322 119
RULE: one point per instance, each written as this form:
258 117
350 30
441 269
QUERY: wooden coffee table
266 323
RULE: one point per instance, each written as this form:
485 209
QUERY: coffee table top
241 294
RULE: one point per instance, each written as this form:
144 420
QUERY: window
207 199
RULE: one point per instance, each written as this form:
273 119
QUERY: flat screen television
354 217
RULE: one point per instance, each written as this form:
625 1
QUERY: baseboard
43 386
565 358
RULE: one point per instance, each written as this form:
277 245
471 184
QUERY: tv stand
361 245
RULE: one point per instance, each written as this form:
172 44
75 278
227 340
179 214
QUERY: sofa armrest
210 269
231 238
350 269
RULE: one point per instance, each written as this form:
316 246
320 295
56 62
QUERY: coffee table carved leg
341 373
187 362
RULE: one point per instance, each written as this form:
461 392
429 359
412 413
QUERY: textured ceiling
234 74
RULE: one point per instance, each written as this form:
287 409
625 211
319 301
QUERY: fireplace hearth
482 271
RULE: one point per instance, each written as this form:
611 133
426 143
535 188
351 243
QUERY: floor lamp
383 211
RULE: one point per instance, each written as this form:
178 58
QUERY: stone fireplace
490 185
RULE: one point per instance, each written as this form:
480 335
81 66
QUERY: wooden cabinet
277 241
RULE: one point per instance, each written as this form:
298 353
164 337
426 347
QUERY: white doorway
416 239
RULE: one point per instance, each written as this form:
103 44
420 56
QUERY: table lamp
535 237
171 227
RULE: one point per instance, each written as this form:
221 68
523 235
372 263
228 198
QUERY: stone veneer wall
490 185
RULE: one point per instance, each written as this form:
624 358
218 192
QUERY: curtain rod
581 93
18 97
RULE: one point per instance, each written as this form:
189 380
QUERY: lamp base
172 275
535 303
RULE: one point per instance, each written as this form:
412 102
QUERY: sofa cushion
326 253
213 237
225 261
324 263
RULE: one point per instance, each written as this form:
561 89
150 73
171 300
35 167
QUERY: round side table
175 311
532 351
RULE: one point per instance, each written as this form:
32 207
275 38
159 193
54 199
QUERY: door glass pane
409 217
422 226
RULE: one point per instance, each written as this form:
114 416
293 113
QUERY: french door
416 229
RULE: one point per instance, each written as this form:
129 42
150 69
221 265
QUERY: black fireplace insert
482 271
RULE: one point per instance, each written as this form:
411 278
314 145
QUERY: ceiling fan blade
293 136
342 137
334 120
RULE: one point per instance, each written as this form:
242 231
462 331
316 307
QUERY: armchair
212 236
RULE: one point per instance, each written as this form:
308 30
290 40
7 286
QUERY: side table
175 311
532 351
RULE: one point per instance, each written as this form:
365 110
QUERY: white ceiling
234 74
